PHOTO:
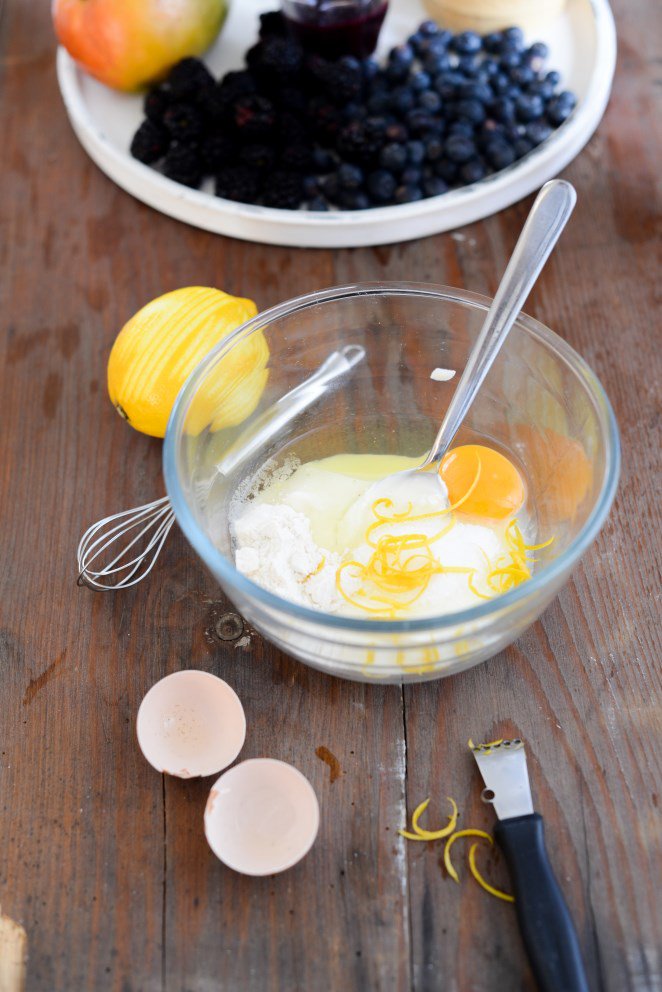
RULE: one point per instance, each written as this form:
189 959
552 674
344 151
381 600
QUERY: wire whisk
113 538
102 538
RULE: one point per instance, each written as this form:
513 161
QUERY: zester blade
503 767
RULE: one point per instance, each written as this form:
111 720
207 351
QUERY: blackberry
360 142
291 99
183 121
276 61
325 120
296 158
182 164
216 151
341 81
254 117
150 143
156 103
292 130
238 182
188 78
273 24
219 102
284 191
258 157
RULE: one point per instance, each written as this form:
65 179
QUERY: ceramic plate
582 45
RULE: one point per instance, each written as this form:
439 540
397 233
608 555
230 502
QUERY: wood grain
103 862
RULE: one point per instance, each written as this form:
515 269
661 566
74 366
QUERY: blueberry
381 185
402 99
323 160
461 127
466 43
329 186
370 68
318 203
354 112
407 194
349 176
446 170
310 186
396 132
434 63
472 171
542 88
529 107
538 131
470 110
476 91
411 176
420 81
397 72
500 83
557 111
509 59
500 153
401 55
567 98
393 156
430 101
492 42
434 148
488 69
513 36
379 102
459 148
415 152
513 92
434 186
511 132
419 122
522 147
553 77
503 110
522 75
429 29
538 50
351 199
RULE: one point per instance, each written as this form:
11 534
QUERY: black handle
544 919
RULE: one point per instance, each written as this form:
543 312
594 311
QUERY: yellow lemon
157 349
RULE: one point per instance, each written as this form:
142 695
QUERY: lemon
161 344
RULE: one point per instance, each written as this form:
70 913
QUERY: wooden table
105 863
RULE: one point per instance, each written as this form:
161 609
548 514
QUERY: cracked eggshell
191 724
262 817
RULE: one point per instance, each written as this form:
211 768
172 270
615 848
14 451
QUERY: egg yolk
495 487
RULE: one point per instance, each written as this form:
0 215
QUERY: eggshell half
191 724
262 816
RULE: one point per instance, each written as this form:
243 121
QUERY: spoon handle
549 215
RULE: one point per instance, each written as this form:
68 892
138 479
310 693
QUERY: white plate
582 47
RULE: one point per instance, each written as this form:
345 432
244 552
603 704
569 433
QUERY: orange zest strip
449 843
482 882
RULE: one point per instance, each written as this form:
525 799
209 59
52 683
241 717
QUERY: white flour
275 548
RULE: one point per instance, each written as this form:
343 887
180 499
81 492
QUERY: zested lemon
157 349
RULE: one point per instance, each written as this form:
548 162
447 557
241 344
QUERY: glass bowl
540 404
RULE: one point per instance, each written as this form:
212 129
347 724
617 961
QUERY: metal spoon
549 215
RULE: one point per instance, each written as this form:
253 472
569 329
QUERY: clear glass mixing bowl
540 404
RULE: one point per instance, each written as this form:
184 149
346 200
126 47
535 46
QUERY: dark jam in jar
336 27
